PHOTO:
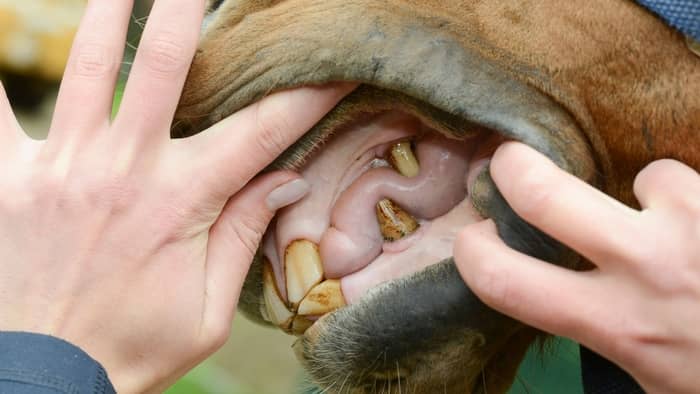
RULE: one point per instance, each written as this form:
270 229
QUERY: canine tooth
303 269
403 159
300 324
394 222
324 298
276 310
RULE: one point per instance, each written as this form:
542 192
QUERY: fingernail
288 193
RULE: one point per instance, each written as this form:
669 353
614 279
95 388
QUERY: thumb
243 144
235 236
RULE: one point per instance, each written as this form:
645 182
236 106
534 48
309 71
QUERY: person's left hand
123 241
639 306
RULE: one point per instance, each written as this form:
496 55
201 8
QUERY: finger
668 183
234 239
540 294
243 144
85 98
160 68
9 128
562 205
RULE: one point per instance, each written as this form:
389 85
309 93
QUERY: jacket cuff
34 363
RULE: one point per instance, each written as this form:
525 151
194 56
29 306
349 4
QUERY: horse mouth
393 179
362 263
388 196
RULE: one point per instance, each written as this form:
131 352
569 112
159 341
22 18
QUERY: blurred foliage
555 370
208 378
36 35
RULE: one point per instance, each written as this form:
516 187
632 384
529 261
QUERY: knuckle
49 183
468 243
626 335
93 61
533 196
216 332
642 255
178 218
663 178
113 190
473 249
272 130
647 178
249 230
493 287
164 56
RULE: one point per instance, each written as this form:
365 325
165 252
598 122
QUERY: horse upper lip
422 62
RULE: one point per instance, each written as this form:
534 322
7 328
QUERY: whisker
344 382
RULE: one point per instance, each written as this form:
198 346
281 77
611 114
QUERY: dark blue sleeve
40 364
600 376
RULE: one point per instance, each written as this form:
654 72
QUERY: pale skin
120 240
134 246
639 306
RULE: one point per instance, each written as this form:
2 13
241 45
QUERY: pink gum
354 239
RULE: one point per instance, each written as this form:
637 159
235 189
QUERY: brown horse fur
601 86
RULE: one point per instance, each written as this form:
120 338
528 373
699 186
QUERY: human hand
639 306
121 240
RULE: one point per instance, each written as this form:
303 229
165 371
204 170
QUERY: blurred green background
257 360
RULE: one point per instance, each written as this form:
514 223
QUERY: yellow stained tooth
403 159
394 222
300 324
324 298
277 312
303 269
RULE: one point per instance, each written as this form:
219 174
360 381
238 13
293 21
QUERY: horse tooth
300 324
394 222
276 310
303 269
324 298
403 159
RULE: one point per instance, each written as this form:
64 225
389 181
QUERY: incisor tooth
300 324
277 311
303 269
324 298
403 159
394 222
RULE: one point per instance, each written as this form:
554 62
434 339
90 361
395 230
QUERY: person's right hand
121 240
